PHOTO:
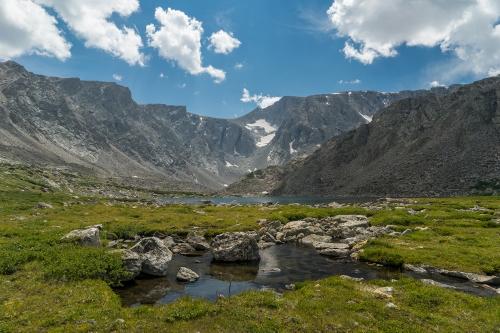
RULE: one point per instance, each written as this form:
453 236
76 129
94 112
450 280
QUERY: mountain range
442 142
96 127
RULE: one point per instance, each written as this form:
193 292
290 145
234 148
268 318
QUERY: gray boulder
132 262
352 221
186 275
84 237
154 254
336 250
183 248
311 239
198 242
235 246
295 230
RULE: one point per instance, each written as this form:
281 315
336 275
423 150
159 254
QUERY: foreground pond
279 266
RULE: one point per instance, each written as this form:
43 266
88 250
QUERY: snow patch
292 151
366 117
229 165
264 131
263 124
265 140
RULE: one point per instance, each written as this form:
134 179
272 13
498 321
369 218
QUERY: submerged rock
84 237
187 275
235 246
154 254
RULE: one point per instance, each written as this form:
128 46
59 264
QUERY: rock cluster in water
337 236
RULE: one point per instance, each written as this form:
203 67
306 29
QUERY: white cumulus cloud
262 101
117 77
355 81
27 28
90 20
179 39
223 42
467 28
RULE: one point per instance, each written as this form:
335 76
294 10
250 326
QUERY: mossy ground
49 286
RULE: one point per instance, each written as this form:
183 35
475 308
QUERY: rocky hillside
294 127
96 127
440 143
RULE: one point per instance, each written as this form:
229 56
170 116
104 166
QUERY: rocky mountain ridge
444 142
97 127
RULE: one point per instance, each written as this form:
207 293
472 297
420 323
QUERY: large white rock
186 275
235 246
154 254
84 237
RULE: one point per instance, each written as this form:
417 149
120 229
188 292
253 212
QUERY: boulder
154 254
169 241
336 250
132 262
352 221
235 246
186 275
84 237
183 248
269 227
295 230
313 238
44 205
198 242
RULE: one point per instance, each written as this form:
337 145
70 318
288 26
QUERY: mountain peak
12 65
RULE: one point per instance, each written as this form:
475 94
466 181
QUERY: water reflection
279 266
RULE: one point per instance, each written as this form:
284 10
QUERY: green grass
29 304
456 239
50 286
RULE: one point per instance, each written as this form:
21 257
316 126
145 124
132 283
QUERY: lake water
256 200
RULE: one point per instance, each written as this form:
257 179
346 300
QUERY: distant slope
439 143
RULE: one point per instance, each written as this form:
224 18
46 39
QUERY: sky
223 58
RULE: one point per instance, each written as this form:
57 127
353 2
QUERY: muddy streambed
279 267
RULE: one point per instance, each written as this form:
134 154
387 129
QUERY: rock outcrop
96 127
187 275
132 262
338 236
235 246
84 237
440 143
154 254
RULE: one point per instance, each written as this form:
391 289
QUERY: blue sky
287 48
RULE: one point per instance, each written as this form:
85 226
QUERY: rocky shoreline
338 237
